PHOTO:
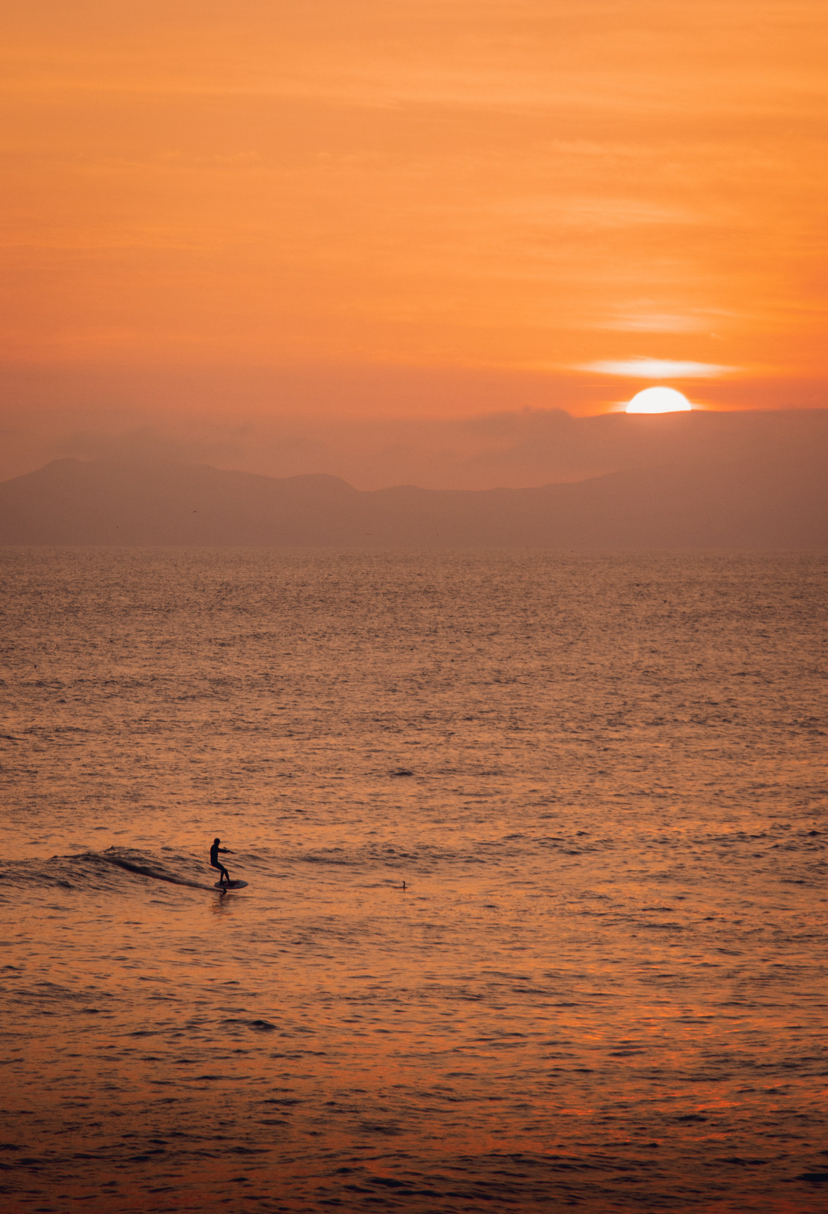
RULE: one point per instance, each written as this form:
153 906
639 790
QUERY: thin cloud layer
658 368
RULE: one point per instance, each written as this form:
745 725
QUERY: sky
224 217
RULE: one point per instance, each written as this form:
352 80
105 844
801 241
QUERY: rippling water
603 783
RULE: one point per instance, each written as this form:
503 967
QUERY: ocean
536 914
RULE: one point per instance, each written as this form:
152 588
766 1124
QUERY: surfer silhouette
214 860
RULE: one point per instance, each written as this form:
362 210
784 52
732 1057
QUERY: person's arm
226 851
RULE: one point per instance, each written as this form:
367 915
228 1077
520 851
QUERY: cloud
657 368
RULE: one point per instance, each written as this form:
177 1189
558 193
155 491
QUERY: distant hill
752 503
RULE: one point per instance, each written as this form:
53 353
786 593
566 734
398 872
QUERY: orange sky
541 192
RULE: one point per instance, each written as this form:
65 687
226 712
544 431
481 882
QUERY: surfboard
230 885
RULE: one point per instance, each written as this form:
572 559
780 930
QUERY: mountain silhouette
752 503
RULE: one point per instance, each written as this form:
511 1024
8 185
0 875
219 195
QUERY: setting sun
658 400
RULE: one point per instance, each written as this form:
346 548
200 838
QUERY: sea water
535 846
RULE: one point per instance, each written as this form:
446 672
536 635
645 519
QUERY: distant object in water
402 771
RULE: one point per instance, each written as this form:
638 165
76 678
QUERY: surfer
214 860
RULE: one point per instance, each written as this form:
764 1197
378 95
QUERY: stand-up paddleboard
230 885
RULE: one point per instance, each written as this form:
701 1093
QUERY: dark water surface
603 781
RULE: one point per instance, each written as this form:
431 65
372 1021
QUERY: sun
658 400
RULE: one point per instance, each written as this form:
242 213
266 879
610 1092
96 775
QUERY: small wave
97 869
258 1026
134 862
